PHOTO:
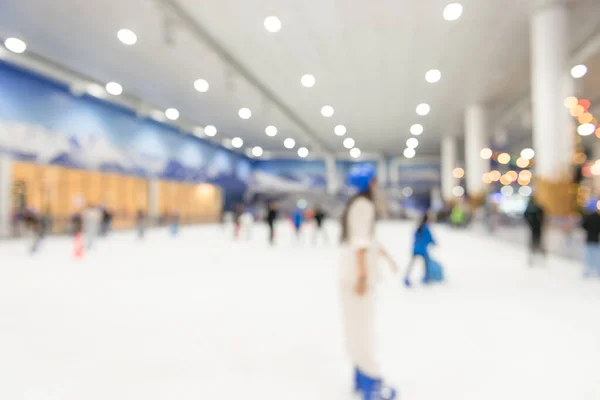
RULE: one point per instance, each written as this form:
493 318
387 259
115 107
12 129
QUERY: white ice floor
202 317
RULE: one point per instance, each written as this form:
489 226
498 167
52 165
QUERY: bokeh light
577 111
507 190
522 163
486 153
487 178
458 173
525 175
504 158
586 129
571 101
458 191
495 175
586 118
525 191
505 180
579 158
585 103
527 153
512 175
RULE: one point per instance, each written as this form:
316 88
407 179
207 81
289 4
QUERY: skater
92 224
319 229
77 226
591 225
535 218
36 223
358 276
297 220
423 239
271 218
237 220
106 221
175 221
141 223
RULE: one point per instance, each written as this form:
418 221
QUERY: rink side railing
64 225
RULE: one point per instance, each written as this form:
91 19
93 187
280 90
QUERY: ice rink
200 316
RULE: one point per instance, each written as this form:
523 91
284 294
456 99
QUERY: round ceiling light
95 90
416 129
355 152
507 190
245 113
201 85
349 143
15 45
308 80
289 143
339 130
327 111
423 109
272 24
172 114
458 191
127 37
303 152
412 143
210 130
579 71
586 129
486 153
527 154
114 88
453 11
433 76
409 153
271 130
257 151
237 142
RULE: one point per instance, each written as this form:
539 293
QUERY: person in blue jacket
298 220
423 239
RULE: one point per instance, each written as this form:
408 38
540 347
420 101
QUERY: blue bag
435 271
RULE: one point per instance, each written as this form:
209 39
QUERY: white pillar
5 194
448 165
382 172
331 173
476 138
551 83
153 193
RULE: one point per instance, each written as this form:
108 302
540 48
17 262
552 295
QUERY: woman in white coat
358 275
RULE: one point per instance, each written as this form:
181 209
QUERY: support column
5 194
153 194
553 127
331 172
476 138
448 165
382 172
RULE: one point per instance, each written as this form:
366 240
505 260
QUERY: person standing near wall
141 223
319 229
271 219
535 217
591 225
92 221
359 253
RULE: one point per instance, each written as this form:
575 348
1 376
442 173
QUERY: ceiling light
412 143
303 152
504 158
586 129
407 192
409 153
458 173
289 143
525 191
245 113
507 190
237 142
95 90
201 85
308 80
578 71
157 115
458 191
416 129
423 109
172 114
527 154
210 130
127 37
272 24
257 151
271 130
433 76
355 152
327 111
340 130
114 88
15 45
453 11
486 153
349 143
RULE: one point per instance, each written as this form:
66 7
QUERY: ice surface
200 316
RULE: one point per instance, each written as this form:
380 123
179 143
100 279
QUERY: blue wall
42 121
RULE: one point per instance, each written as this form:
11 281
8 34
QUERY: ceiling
369 60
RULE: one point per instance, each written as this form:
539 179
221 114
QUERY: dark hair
424 220
368 194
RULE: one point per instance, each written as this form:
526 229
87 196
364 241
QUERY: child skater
423 239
